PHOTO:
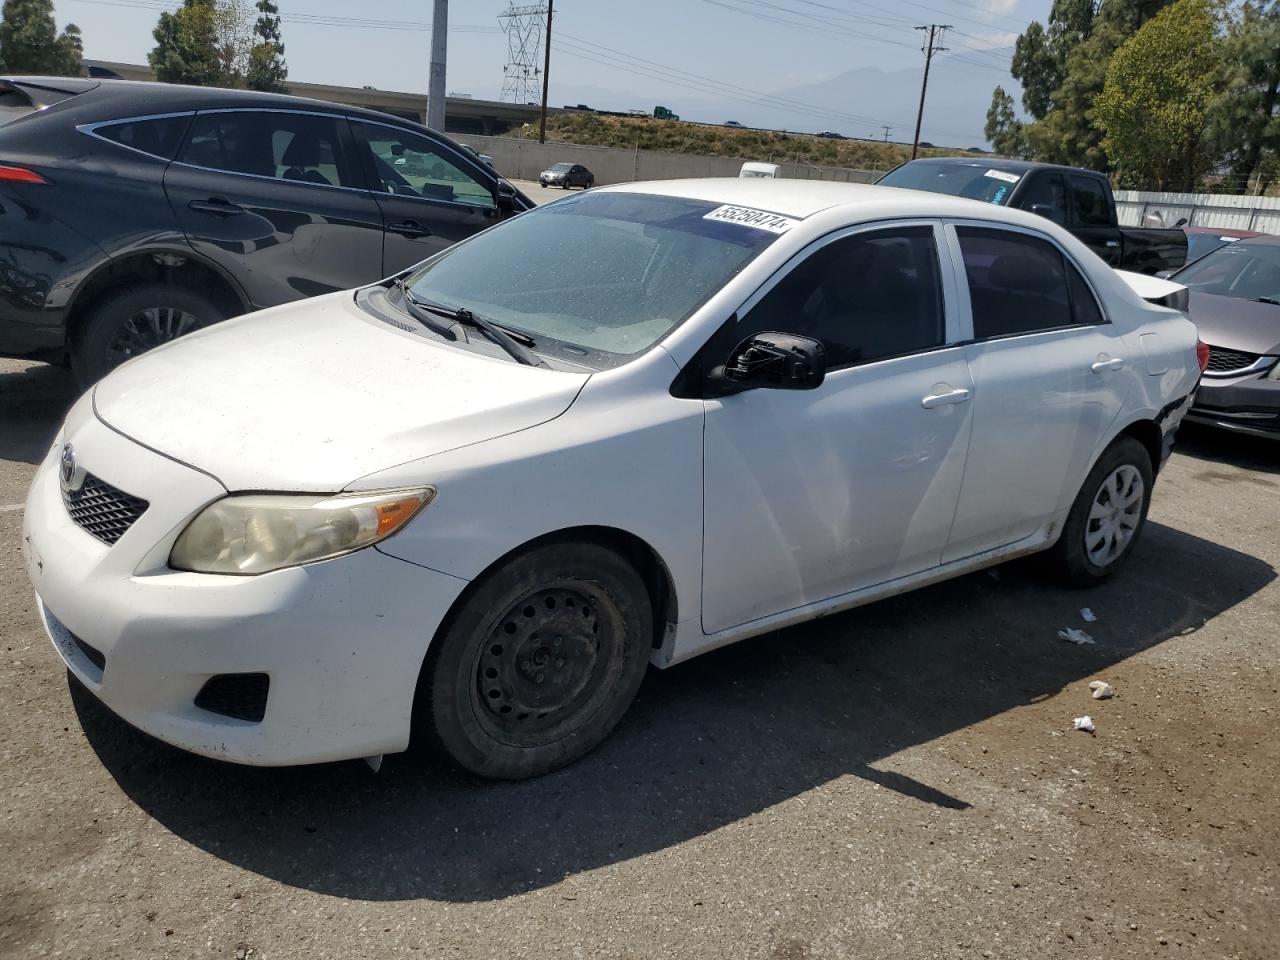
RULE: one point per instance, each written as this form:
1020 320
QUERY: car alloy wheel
147 329
1114 516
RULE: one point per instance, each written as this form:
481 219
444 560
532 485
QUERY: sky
697 56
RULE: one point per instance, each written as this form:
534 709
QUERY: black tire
538 663
119 328
1124 459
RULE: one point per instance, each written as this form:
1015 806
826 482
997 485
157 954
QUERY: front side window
1089 202
408 164
865 297
1046 196
283 146
597 277
158 136
1022 284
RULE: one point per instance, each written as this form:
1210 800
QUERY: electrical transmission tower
521 74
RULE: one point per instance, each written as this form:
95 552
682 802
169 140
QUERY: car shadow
34 399
1204 442
708 743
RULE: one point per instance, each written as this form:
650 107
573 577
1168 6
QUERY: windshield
597 277
1200 244
976 181
561 167
1245 270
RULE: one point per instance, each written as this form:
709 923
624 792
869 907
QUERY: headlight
255 533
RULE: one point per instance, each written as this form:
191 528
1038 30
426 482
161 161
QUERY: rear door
277 199
1050 376
1092 216
430 194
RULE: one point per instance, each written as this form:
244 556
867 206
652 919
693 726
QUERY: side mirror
1154 219
504 197
775 361
1181 222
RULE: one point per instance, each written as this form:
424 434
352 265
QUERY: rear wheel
1108 514
134 321
539 663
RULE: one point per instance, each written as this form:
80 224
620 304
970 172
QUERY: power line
321 20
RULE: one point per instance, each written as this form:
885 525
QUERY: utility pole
439 54
932 46
886 128
546 78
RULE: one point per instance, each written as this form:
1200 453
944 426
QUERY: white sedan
625 428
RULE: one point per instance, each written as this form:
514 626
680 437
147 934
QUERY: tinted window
284 146
977 181
1046 196
1019 284
159 137
411 165
866 297
1089 200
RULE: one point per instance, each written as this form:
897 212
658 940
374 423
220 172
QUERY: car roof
803 198
1001 163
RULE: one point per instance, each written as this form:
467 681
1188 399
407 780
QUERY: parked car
831 135
833 393
1077 199
752 170
1205 240
1235 303
147 210
567 175
733 123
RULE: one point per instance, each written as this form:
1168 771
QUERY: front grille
241 696
102 510
1222 360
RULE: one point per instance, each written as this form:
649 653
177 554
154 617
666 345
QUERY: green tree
1242 118
30 42
1040 53
1004 131
1158 88
186 48
267 69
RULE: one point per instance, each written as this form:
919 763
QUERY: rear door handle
943 399
1103 366
409 228
218 206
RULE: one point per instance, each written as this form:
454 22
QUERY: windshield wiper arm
427 318
509 341
1272 300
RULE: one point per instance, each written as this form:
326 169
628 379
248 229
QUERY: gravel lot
898 782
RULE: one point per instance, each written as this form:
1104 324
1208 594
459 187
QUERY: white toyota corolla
627 427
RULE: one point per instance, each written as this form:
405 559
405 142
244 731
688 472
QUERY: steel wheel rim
544 664
1114 515
147 329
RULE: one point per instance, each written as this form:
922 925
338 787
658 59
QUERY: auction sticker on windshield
749 217
1004 175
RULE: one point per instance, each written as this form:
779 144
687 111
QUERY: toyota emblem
67 469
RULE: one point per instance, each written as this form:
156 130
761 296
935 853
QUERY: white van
749 170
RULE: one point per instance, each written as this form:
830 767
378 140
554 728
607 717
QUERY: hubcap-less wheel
147 329
1114 515
542 665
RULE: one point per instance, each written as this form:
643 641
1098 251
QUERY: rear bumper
1249 406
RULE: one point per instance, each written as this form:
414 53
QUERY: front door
275 198
430 194
1093 217
813 494
1050 376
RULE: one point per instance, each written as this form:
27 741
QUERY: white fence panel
1200 209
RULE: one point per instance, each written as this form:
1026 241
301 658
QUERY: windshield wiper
516 344
426 317
1271 300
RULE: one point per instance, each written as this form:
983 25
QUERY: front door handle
943 399
218 206
1113 243
409 228
1103 366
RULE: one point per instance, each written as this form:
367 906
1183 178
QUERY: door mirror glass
777 361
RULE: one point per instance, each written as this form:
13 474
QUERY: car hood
313 395
1236 324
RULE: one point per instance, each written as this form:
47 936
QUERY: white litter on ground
1083 723
1102 690
1087 615
1072 635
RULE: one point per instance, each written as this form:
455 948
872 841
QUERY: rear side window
282 146
1089 201
1021 284
159 137
865 297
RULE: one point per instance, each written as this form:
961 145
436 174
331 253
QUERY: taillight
1202 354
19 175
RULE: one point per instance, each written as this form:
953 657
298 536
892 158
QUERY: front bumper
341 641
1249 405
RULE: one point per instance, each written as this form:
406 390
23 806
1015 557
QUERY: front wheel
1108 514
539 662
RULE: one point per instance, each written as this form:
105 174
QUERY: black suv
131 213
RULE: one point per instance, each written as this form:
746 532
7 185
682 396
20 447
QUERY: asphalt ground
901 781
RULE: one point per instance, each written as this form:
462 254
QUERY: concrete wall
1200 209
525 159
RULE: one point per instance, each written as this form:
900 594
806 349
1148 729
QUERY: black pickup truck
1079 200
